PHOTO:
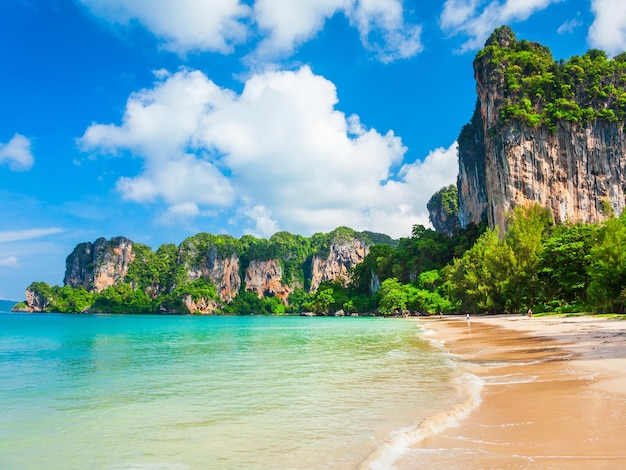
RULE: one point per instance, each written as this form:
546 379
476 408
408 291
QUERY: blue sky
157 120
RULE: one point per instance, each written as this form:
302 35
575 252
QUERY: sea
221 392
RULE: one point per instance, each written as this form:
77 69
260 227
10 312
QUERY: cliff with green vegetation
535 263
443 209
543 131
205 274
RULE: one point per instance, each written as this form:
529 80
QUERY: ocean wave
384 457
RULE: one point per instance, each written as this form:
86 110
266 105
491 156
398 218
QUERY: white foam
514 363
509 379
388 453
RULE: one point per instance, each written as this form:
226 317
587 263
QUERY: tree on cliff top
538 90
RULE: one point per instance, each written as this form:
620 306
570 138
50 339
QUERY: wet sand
554 395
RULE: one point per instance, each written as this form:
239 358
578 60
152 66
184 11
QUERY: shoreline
553 396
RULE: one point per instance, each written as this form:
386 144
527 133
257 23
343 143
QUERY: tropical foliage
563 268
538 90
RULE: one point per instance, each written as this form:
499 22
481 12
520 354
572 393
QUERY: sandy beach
554 394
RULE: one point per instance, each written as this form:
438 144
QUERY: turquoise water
183 392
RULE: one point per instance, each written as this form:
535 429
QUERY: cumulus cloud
477 19
183 25
17 153
281 25
159 125
277 156
381 25
608 31
382 28
286 23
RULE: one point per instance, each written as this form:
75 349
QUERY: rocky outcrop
99 265
265 278
35 302
444 211
575 169
205 272
471 187
343 255
201 306
223 271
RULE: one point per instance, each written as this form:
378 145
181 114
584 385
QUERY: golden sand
554 395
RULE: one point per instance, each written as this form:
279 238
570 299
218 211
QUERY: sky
159 119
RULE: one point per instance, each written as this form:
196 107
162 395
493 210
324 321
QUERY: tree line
532 264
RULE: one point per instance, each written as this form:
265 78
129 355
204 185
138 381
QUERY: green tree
477 281
393 297
526 231
564 263
321 300
122 298
73 300
608 267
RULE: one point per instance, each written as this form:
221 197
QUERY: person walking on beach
530 313
467 316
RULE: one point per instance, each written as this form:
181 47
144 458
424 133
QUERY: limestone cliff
343 255
266 278
100 264
540 133
35 301
223 271
443 210
204 274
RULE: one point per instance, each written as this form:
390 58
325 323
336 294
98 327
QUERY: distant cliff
100 264
543 131
203 274
443 209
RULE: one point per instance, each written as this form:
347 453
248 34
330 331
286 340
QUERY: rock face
344 254
265 278
201 306
99 265
444 211
275 267
223 271
575 170
35 301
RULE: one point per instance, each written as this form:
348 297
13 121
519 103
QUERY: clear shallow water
152 392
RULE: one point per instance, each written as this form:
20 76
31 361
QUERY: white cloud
569 26
380 23
264 225
158 125
382 28
288 24
278 156
183 183
9 262
28 234
281 25
477 19
183 25
608 31
17 153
